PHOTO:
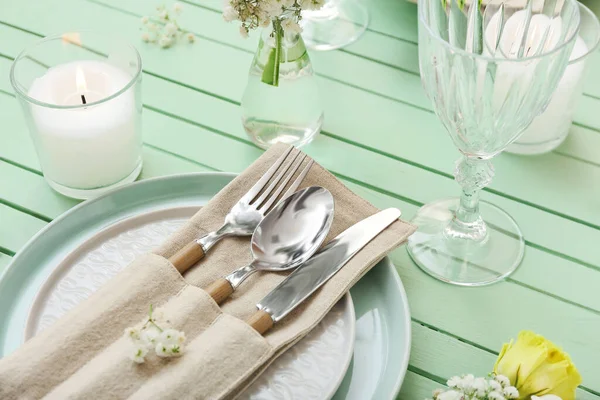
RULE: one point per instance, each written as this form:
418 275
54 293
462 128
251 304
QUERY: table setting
246 200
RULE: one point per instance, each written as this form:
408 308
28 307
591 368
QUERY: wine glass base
460 261
335 25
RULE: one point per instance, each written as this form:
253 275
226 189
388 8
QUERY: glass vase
281 102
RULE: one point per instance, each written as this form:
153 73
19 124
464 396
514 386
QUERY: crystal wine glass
489 70
337 24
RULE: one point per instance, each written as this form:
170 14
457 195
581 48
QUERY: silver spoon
286 237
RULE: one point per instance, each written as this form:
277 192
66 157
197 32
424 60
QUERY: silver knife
317 270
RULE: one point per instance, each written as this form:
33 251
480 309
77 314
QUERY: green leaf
270 74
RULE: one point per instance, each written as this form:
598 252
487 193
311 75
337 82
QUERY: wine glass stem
473 174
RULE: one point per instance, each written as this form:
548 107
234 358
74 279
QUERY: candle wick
83 99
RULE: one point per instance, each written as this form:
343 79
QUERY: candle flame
80 80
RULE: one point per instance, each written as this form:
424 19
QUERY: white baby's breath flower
311 4
132 333
145 20
162 350
168 350
163 14
150 335
171 336
229 14
165 42
450 395
145 36
454 381
291 26
501 379
177 7
138 353
190 37
496 396
495 386
170 30
510 392
243 32
480 386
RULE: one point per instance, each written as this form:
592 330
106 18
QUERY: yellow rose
535 366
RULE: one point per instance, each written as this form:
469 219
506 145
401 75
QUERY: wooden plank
4 261
416 386
20 227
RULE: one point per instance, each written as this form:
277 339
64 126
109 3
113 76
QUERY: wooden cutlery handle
261 321
220 290
189 255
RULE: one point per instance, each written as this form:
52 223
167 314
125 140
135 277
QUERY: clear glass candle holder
550 129
81 95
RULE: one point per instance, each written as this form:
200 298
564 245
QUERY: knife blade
310 276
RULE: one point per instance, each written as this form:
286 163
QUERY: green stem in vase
270 74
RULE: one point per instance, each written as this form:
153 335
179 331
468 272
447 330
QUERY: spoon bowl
286 237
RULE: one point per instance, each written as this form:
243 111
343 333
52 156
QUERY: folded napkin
84 355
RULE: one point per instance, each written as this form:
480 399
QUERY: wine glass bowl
489 70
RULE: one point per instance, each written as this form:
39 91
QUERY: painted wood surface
380 137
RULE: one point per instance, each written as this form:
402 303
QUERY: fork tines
275 180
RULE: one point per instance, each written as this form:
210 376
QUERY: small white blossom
190 37
165 42
480 386
501 379
468 387
138 353
177 7
132 333
163 15
243 32
454 381
145 20
168 350
510 392
170 30
496 396
229 14
150 335
450 395
165 342
171 336
146 37
291 26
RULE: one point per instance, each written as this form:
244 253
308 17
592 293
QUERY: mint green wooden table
380 137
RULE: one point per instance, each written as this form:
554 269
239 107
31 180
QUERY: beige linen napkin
84 354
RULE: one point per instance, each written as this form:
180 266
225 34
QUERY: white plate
312 369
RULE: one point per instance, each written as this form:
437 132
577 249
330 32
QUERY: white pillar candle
92 146
554 122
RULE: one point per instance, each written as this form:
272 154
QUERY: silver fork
246 214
